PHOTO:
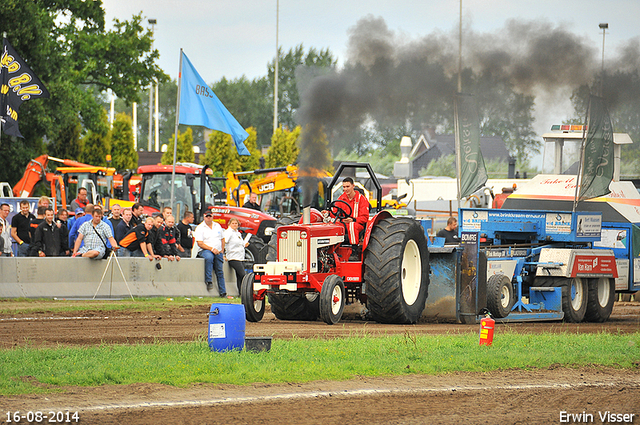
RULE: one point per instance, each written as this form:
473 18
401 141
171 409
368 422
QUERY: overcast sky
232 39
238 38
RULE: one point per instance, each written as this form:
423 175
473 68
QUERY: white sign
217 330
612 238
471 220
588 226
558 223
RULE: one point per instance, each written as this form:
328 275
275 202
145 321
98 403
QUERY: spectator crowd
89 231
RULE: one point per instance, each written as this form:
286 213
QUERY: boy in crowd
135 242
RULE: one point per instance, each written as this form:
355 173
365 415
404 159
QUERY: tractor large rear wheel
396 271
602 294
295 306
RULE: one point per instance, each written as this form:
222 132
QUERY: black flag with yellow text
18 83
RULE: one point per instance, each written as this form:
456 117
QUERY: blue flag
200 106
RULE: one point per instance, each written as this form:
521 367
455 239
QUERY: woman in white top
234 249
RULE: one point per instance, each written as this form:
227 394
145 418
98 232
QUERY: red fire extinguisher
487 325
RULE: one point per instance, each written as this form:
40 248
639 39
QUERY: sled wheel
332 299
499 295
574 299
602 294
254 308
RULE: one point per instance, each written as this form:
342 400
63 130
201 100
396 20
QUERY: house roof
432 146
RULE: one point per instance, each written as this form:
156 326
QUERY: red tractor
316 272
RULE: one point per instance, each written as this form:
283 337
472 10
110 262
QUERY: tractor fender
372 222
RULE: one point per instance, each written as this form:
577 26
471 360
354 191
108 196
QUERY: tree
66 141
296 69
68 48
95 149
96 145
167 94
507 114
252 162
184 153
621 91
221 155
250 103
123 155
443 166
284 147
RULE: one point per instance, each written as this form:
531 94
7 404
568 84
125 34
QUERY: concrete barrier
80 278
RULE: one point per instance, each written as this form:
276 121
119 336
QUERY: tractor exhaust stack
306 215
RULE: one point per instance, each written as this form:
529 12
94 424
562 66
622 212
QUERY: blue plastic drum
226 327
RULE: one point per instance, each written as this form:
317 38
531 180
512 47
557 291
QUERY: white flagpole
175 139
582 158
455 111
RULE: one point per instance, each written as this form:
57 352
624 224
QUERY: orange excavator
36 171
101 183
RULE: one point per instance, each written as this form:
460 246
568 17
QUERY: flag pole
455 110
456 121
2 96
175 138
581 162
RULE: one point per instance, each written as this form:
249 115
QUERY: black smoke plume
388 79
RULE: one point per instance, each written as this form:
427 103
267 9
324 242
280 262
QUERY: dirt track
502 397
43 328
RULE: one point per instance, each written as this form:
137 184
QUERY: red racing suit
360 214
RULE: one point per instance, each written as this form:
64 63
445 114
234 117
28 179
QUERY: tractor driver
359 216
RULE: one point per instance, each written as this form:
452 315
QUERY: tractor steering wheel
339 212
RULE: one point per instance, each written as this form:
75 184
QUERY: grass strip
28 370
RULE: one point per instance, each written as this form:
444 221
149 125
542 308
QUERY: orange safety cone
487 326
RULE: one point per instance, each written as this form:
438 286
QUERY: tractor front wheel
332 299
253 307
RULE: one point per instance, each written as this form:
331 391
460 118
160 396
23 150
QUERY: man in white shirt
5 234
210 240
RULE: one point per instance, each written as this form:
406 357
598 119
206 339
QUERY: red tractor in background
197 190
311 271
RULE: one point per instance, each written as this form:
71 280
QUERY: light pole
152 22
275 83
603 26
